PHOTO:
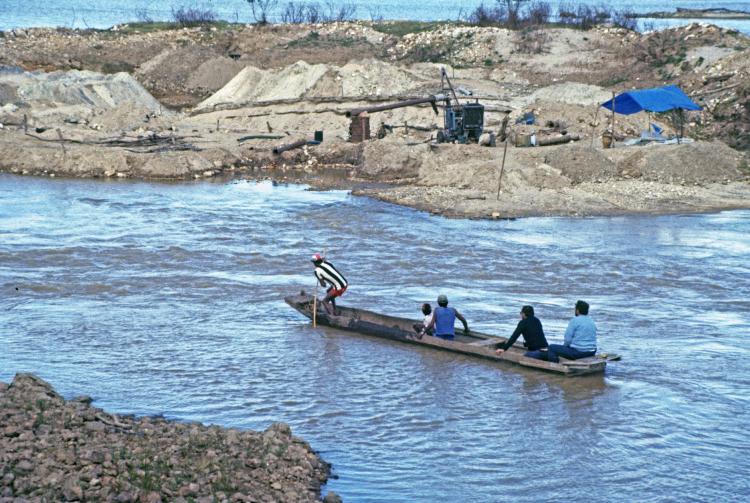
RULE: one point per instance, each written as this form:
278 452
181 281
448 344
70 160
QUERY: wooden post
25 123
502 168
613 119
62 142
315 305
593 127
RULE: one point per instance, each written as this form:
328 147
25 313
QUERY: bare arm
462 320
431 324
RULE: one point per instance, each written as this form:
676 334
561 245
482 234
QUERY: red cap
317 257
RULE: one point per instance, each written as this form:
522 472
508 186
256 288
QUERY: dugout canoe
473 344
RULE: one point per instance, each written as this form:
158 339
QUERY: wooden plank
484 342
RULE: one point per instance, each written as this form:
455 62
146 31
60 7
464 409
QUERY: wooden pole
593 127
502 168
613 119
315 305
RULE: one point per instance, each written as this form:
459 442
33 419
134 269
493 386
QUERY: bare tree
313 13
293 13
513 10
261 9
343 12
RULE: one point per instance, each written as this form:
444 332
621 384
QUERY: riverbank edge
67 450
707 14
389 193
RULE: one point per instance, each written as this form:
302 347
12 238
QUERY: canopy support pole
613 118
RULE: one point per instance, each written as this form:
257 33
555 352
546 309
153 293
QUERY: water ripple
166 299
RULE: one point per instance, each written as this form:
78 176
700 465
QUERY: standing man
328 276
580 338
531 329
444 319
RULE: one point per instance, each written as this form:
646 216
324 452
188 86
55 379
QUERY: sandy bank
67 450
252 89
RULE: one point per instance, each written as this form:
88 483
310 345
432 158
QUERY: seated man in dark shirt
531 329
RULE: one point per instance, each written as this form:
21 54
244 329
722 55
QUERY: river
106 13
167 299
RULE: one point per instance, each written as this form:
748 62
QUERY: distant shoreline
682 13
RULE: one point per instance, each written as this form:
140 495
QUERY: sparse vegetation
523 14
612 81
311 12
189 16
261 10
313 39
531 41
401 28
340 13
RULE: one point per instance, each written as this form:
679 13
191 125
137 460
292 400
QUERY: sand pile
302 80
93 90
695 163
253 85
132 117
375 78
580 163
572 93
75 97
191 67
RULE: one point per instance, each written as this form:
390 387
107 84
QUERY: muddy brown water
167 299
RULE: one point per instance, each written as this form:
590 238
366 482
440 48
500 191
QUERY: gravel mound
57 450
695 163
581 164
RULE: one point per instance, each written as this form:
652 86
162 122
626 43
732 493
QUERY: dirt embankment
57 450
572 179
249 94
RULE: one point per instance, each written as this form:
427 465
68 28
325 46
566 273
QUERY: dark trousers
555 351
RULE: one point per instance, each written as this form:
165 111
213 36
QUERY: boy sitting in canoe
421 328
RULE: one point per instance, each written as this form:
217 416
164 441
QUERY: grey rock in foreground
57 450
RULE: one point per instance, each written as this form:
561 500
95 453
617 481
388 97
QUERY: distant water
106 13
167 298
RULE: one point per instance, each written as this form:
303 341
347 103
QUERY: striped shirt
328 274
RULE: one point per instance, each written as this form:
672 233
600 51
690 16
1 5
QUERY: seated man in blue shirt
444 318
580 339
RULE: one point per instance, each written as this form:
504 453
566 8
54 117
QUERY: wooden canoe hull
474 344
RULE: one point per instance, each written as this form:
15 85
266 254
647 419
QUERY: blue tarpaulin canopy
660 99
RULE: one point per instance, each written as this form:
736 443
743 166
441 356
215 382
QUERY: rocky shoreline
52 449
